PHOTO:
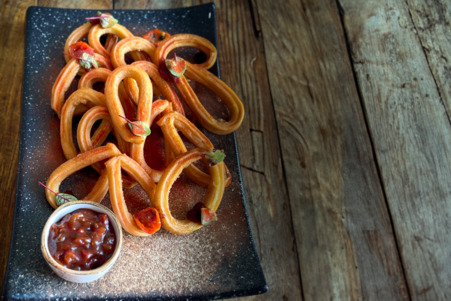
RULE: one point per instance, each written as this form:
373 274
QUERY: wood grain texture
243 67
431 21
79 4
12 40
411 135
156 4
343 231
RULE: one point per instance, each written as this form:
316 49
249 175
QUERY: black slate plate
218 261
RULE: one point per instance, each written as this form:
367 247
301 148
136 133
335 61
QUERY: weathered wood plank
80 4
156 4
243 67
411 133
343 232
432 23
12 40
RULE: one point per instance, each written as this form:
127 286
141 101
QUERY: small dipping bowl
84 275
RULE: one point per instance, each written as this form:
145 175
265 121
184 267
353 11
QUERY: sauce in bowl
82 240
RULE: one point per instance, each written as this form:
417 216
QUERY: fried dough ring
170 125
77 163
162 86
174 122
134 170
186 40
212 199
64 81
84 139
89 79
62 84
97 31
222 90
86 142
84 96
76 35
137 149
115 107
124 46
92 77
127 45
199 73
103 61
82 32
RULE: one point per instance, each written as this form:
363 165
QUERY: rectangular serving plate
218 261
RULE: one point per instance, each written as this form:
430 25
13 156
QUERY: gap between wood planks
371 139
253 6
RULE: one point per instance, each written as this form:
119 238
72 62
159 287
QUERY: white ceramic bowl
73 275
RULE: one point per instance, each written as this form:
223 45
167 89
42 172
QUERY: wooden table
345 148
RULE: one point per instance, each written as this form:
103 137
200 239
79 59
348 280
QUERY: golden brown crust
135 171
186 40
97 31
227 95
75 164
127 45
84 129
199 73
114 104
173 123
76 35
172 172
166 90
62 84
85 96
92 77
137 149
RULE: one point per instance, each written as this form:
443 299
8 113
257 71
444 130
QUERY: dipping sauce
82 240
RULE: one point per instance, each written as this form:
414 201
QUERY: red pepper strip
148 220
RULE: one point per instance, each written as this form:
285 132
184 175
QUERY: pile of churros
142 86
